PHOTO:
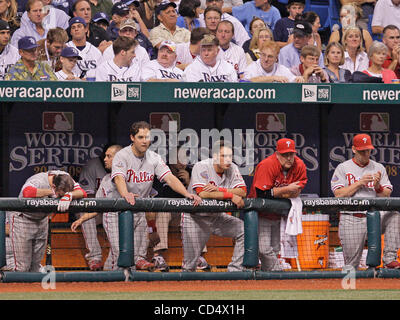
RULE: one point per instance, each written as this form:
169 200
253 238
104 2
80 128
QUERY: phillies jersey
41 181
8 58
154 70
91 175
235 56
139 172
91 58
198 71
109 71
349 172
142 57
107 188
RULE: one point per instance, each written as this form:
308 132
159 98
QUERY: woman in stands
260 36
355 58
314 20
8 13
334 59
256 23
189 11
377 55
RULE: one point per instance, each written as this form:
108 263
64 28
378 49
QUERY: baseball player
206 67
105 188
362 177
121 67
214 178
10 265
91 56
28 230
164 68
8 54
128 29
133 171
229 51
281 175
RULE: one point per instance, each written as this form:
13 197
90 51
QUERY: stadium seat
327 10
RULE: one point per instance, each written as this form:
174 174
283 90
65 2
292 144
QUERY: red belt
358 215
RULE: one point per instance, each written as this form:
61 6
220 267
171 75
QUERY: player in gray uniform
28 231
10 265
214 178
133 171
362 177
89 179
110 219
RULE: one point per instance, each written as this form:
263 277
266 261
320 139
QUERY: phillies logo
142 176
288 143
352 179
365 140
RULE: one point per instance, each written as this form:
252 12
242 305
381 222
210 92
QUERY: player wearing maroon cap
281 175
365 178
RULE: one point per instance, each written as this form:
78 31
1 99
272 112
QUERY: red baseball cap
362 142
285 145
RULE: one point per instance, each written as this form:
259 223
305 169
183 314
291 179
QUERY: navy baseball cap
70 52
129 2
27 43
77 20
120 9
99 16
4 25
163 6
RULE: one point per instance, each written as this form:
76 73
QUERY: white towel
290 228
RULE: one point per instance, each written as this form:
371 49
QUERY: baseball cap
302 28
362 142
128 23
285 145
169 44
26 43
4 25
100 16
208 40
129 2
76 20
164 5
120 9
70 52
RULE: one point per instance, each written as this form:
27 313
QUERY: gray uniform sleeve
338 179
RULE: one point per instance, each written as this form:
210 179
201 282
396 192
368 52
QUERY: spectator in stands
313 19
206 67
241 35
309 70
334 59
187 52
146 10
91 56
369 180
255 24
95 35
33 25
8 53
134 14
355 58
391 37
101 20
128 29
163 69
212 16
28 67
260 37
119 13
229 51
257 8
101 6
8 13
189 11
386 12
266 68
289 55
64 5
366 9
284 26
168 30
68 58
49 49
377 54
349 15
53 17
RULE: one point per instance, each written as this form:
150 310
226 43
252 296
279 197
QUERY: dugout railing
249 214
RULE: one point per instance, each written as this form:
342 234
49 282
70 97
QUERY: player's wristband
222 189
228 195
379 190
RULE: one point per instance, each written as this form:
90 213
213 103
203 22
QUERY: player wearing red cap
281 175
362 177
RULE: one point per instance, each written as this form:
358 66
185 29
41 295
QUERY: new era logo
125 92
316 93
